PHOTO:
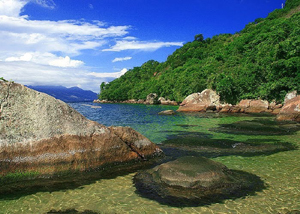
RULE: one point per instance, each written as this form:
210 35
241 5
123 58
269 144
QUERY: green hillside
261 61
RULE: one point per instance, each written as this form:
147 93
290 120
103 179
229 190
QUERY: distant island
262 61
73 94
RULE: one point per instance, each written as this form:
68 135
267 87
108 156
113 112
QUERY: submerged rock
167 112
199 102
258 127
194 181
44 136
191 144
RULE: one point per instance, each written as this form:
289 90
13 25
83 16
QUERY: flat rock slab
190 181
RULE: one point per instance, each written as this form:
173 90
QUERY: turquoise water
188 133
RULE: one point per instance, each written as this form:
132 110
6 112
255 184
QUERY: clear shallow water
280 171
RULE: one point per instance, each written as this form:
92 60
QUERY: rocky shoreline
209 101
152 99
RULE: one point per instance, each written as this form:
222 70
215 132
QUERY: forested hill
261 61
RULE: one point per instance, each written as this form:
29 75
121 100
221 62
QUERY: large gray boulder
194 180
41 134
199 102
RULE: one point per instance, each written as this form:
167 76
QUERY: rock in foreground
44 136
194 181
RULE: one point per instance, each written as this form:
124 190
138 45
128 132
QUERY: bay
279 169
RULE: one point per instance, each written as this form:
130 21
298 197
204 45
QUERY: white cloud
45 3
129 38
109 75
11 7
46 59
66 62
122 59
26 57
138 45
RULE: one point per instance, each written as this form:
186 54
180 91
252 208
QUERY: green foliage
2 79
261 61
199 38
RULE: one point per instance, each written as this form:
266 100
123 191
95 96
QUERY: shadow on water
186 126
258 127
72 180
208 147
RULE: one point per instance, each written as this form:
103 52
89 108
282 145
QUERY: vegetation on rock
261 61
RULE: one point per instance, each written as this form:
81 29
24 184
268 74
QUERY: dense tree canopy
261 61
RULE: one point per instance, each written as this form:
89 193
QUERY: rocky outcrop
291 110
41 134
194 180
152 99
253 106
200 102
290 96
164 101
209 101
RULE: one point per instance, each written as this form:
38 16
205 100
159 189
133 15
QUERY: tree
102 86
199 38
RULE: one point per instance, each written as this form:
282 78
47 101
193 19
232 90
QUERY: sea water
279 170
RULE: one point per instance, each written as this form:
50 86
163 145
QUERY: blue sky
85 42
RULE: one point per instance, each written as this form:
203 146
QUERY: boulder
254 106
291 110
290 96
235 109
167 112
97 101
164 101
41 134
152 99
273 105
198 102
193 180
224 108
244 104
